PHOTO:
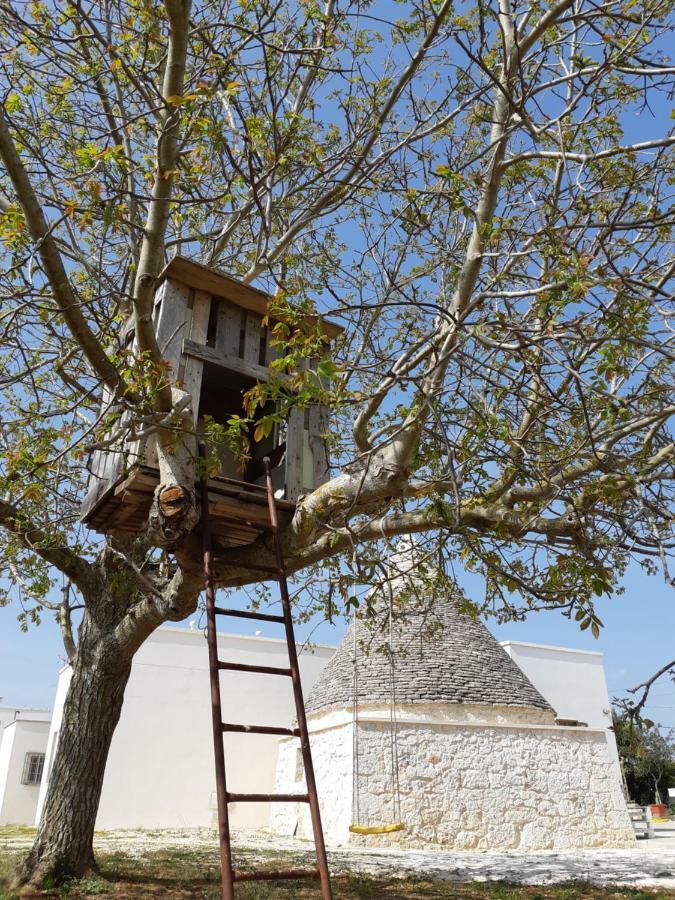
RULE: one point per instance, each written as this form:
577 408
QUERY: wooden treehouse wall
209 343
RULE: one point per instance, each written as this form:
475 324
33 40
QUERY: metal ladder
225 797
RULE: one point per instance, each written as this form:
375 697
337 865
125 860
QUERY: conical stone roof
441 655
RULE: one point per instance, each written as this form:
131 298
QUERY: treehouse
215 334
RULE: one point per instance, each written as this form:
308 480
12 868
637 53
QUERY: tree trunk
63 847
657 792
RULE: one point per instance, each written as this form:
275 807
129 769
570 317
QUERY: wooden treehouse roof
202 278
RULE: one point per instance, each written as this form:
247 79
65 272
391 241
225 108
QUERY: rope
393 726
393 721
355 717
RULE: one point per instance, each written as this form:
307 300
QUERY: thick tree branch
41 233
33 538
151 258
472 518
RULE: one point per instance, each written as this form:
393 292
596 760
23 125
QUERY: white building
160 770
449 738
573 682
23 740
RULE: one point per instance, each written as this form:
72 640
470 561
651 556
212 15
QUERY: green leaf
326 369
13 103
178 100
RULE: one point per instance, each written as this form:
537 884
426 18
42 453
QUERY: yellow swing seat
376 829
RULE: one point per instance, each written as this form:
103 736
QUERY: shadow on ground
181 874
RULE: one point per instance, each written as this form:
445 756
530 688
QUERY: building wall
466 786
160 770
18 801
573 682
53 736
9 714
332 755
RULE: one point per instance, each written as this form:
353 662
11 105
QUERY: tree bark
63 847
120 614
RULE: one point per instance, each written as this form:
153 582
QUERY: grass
179 874
7 832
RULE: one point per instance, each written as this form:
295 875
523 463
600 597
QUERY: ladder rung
268 798
245 614
282 875
260 729
244 667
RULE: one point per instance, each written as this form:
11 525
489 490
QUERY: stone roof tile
440 655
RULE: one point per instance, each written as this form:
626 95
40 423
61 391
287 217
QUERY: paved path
600 867
650 864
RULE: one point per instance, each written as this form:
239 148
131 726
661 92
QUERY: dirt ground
181 874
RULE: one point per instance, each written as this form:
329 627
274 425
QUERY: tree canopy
647 755
481 194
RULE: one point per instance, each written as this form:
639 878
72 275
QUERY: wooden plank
228 328
271 353
111 462
144 478
173 314
194 368
141 449
272 349
96 483
212 281
127 330
252 326
230 363
128 512
116 467
99 510
307 459
239 515
228 508
295 433
319 423
90 499
149 454
201 310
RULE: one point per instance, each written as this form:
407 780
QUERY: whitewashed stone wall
466 785
332 755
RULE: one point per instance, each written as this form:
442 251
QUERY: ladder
225 797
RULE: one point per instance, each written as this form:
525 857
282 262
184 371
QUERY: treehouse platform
238 510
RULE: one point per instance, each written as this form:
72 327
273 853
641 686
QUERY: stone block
474 787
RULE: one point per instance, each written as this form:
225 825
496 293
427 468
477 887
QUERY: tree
465 188
647 756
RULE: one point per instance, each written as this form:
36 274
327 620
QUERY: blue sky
637 639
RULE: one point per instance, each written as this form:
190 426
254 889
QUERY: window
33 765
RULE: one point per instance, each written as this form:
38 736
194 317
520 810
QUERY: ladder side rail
310 779
227 873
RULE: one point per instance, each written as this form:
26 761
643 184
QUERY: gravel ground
650 864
